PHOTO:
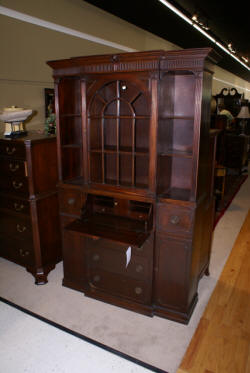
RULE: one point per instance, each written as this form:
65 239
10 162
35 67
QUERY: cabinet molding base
143 309
41 274
181 317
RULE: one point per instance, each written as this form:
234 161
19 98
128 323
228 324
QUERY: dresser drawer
12 149
120 286
71 201
102 244
17 227
12 167
15 185
17 251
15 205
174 219
118 261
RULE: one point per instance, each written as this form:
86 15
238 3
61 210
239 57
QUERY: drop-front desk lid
112 228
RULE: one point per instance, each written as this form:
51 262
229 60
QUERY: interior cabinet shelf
177 153
135 178
176 194
119 117
122 150
70 115
71 146
182 117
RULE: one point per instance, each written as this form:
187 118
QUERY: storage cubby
69 87
70 129
131 129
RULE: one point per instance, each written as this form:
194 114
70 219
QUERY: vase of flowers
50 122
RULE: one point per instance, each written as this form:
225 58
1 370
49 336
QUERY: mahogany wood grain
133 128
29 211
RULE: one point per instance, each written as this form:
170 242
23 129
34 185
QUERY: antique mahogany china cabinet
135 198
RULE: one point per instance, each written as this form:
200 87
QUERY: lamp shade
244 113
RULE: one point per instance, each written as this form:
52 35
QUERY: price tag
128 256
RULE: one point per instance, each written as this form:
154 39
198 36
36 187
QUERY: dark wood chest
29 218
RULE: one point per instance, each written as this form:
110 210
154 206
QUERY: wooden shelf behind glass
122 149
176 194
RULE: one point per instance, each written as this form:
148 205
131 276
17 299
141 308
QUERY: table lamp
13 118
243 115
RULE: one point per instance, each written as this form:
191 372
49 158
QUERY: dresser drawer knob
13 167
174 219
71 201
139 268
97 278
20 228
138 290
23 252
17 185
96 257
10 150
18 207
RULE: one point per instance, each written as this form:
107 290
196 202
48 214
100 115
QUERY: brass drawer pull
20 228
174 219
139 268
97 278
13 167
71 201
17 185
23 252
18 207
10 150
138 290
96 257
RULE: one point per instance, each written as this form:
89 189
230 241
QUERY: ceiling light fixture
244 59
202 24
230 47
199 28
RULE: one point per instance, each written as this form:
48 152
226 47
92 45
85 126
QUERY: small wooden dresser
29 220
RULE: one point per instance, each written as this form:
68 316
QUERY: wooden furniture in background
29 217
231 102
135 177
236 147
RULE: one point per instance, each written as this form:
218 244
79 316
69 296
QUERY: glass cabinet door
118 127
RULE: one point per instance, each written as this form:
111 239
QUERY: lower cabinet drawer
15 227
15 185
121 286
15 204
121 261
12 167
174 219
71 201
102 244
12 149
18 251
